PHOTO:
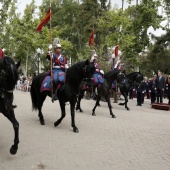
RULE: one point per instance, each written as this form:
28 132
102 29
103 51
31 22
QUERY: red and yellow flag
116 51
45 19
91 39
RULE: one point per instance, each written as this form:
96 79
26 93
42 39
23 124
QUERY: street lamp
38 59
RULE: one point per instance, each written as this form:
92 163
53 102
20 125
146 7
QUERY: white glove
50 47
101 71
66 65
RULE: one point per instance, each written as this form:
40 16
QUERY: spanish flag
116 51
45 19
91 39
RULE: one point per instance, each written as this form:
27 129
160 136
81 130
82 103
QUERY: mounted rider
98 74
59 66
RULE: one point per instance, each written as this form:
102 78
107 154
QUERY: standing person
160 85
139 89
143 91
168 92
1 53
59 65
152 86
148 88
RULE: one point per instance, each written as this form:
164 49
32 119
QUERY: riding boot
55 97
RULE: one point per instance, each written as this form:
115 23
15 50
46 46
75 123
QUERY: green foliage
72 23
159 55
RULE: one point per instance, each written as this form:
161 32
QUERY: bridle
84 70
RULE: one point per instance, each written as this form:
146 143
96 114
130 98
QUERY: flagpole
50 23
51 54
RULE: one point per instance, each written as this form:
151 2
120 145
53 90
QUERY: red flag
45 19
1 53
116 51
91 39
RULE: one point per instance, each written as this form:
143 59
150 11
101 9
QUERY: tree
159 55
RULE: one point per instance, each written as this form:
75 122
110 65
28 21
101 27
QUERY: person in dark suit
168 92
139 89
152 87
143 91
148 89
160 85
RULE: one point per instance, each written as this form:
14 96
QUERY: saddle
46 84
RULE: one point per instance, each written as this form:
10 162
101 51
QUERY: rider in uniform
98 74
59 67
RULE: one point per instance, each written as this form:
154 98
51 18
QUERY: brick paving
136 140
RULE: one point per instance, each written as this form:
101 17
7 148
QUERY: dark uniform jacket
160 83
152 85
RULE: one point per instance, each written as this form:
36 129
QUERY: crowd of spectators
24 83
156 89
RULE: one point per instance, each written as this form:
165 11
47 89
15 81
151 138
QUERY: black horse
8 80
105 88
125 87
74 76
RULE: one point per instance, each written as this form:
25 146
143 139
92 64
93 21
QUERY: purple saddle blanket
46 84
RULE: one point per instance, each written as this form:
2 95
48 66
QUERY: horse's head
88 69
8 74
121 76
139 77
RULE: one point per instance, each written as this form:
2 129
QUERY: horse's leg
126 101
123 94
72 108
78 107
97 103
107 97
63 113
11 116
40 103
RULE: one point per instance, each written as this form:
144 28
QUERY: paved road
136 140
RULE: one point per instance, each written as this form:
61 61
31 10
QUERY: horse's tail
34 98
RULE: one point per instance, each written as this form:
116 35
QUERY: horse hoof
13 150
42 122
128 109
75 130
113 116
56 123
93 114
81 110
77 108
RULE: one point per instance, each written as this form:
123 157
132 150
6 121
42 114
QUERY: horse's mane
110 73
75 72
131 74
